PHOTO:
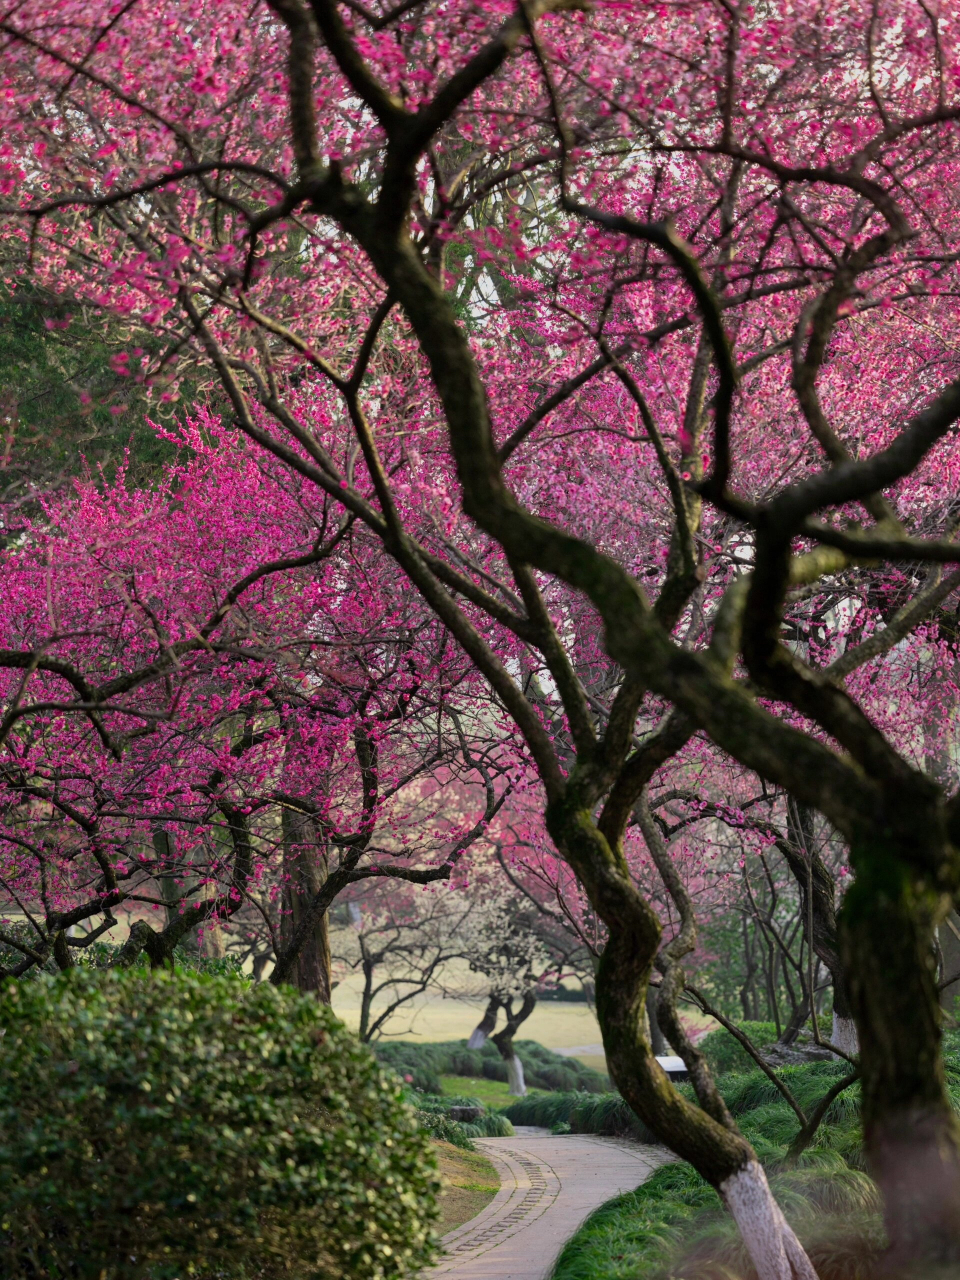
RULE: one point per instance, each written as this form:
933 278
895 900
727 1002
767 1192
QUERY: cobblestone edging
527 1188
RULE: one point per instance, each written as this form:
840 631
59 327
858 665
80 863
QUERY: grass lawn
554 1024
468 1182
492 1093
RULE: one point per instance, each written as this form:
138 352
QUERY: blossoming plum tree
640 317
252 713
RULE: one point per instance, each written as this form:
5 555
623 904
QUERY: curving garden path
548 1185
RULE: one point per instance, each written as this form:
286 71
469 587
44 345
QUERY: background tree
225 703
400 946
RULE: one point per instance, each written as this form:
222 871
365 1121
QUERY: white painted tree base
774 1250
515 1082
477 1039
844 1035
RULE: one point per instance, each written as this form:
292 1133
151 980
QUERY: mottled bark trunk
305 873
658 1042
888 923
486 1026
843 1033
516 1085
721 1155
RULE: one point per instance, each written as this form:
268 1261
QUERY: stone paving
548 1185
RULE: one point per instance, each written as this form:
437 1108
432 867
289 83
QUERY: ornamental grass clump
158 1126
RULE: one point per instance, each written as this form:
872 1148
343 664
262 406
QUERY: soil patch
468 1183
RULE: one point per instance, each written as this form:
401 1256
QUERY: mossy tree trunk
888 926
706 1135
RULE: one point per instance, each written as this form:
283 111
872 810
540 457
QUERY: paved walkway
548 1185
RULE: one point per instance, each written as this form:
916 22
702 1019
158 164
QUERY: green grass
492 1093
627 1236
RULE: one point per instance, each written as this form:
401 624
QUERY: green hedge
173 1124
434 1116
100 955
542 1069
604 1113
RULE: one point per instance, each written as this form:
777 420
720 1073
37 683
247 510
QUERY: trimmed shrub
542 1069
725 1054
434 1116
605 1113
439 1125
160 1125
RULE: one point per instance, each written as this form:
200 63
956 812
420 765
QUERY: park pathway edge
548 1185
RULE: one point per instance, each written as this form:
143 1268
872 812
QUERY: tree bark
705 1135
504 1042
888 924
172 891
818 902
658 1042
305 873
485 1027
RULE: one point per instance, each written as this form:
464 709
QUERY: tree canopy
605 351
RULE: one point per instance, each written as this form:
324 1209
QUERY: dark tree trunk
658 1042
818 902
888 923
504 1042
485 1027
366 999
795 1022
305 873
173 888
705 1134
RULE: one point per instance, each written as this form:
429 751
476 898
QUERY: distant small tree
399 944
502 942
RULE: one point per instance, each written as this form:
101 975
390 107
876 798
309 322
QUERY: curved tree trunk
485 1027
657 1041
705 1135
